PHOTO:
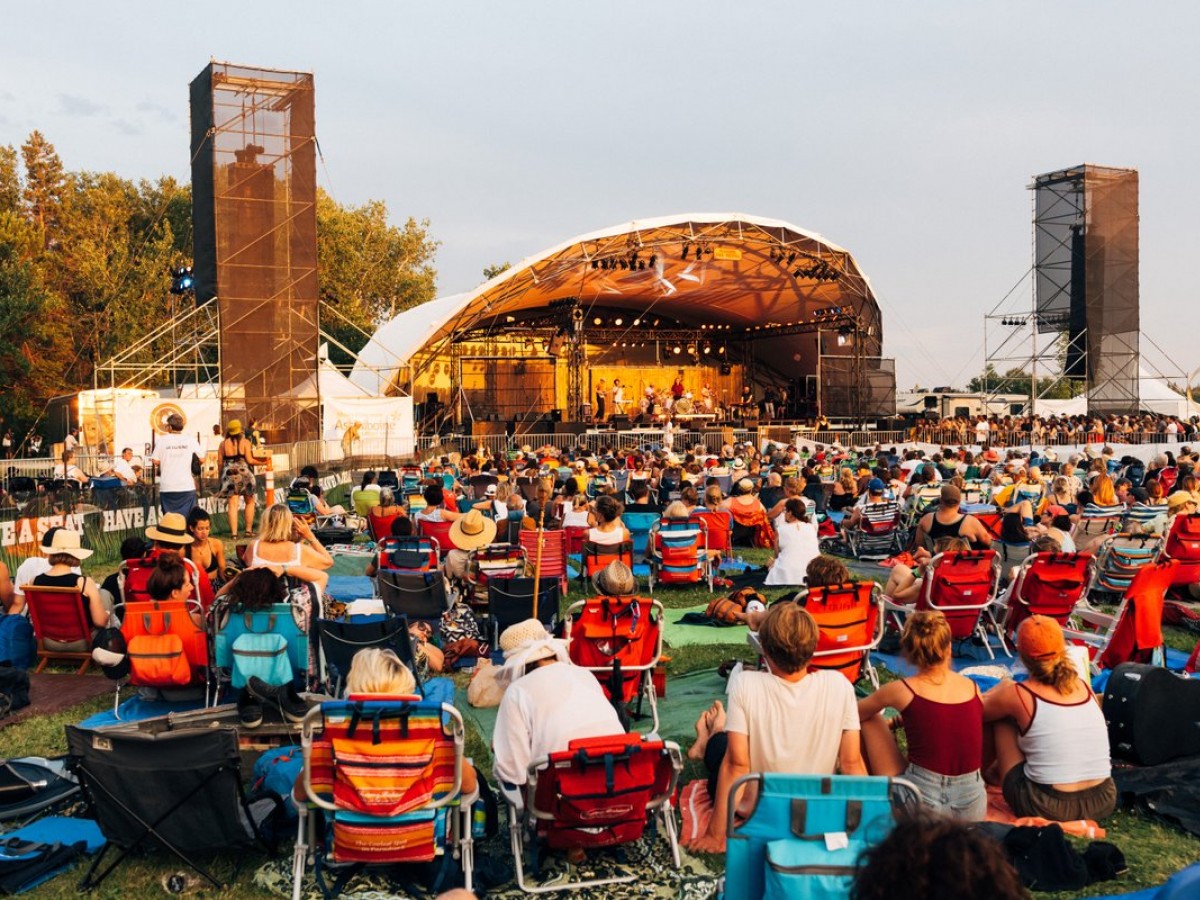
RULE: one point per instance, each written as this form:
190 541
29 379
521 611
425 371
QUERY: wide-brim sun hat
472 531
530 631
68 542
615 580
171 529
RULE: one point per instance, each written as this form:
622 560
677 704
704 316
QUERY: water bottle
741 563
478 820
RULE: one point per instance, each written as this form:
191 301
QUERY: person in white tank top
1051 742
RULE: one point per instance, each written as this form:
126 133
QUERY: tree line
85 260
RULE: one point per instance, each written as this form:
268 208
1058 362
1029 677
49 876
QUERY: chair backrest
601 631
681 548
598 791
498 561
961 584
510 600
639 525
1136 632
408 554
420 596
166 647
58 613
925 499
1049 584
339 641
438 530
880 518
285 620
301 503
576 537
597 556
1121 556
1183 540
186 782
380 527
553 551
850 619
134 575
383 769
363 501
779 851
718 529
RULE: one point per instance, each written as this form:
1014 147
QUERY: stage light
720 351
656 321
637 321
597 321
510 319
618 321
707 349
182 280
677 350
653 259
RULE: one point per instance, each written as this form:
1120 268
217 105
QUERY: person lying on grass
785 719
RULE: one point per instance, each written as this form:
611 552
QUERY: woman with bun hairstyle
942 717
1047 734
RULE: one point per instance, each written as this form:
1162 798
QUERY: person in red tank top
942 717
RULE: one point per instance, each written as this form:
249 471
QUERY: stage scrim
254 212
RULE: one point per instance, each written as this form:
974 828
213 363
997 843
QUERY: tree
490 272
45 184
1016 381
368 270
10 181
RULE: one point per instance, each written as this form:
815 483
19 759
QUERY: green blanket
682 634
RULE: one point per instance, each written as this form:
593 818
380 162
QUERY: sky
907 133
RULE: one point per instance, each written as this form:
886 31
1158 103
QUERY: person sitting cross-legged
785 719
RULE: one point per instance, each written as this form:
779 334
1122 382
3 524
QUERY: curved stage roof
728 270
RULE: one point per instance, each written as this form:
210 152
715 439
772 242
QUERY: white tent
1156 395
328 384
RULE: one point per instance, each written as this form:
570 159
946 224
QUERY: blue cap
875 486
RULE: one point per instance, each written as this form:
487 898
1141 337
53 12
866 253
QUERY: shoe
282 696
250 711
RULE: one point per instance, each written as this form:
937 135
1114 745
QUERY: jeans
962 797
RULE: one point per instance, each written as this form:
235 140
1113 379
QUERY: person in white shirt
785 719
173 452
122 467
548 702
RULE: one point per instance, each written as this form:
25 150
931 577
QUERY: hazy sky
906 132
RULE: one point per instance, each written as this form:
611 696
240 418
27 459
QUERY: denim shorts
961 797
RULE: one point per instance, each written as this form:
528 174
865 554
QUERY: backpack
14 690
18 646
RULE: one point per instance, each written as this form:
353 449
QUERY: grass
1153 851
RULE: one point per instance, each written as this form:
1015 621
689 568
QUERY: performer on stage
706 398
646 404
601 397
677 389
618 398
747 401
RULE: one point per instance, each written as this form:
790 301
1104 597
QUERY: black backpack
14 690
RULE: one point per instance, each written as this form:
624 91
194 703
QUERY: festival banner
355 426
138 420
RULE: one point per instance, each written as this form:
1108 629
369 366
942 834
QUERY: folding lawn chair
783 849
388 775
270 643
1121 556
599 792
679 552
407 554
849 618
1134 632
418 596
547 552
166 649
620 639
497 561
510 600
718 532
962 585
1047 584
878 534
640 524
180 791
339 640
1183 544
59 617
597 556
439 531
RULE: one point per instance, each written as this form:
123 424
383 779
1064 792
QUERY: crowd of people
1007 431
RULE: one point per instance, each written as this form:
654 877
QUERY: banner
356 426
137 421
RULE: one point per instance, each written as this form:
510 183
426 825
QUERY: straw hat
67 542
171 529
614 580
234 427
472 531
523 634
1179 498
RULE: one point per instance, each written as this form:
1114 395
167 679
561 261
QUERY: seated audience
947 520
1047 737
942 722
64 556
796 545
205 551
287 544
608 528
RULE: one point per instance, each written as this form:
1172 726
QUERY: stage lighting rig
182 280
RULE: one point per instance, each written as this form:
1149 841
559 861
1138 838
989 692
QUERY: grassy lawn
1153 851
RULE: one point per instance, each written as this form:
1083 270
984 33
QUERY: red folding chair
1134 632
496 561
59 614
1048 584
380 527
679 552
166 648
962 585
599 792
1183 545
552 553
576 537
620 639
850 619
597 556
720 531
440 531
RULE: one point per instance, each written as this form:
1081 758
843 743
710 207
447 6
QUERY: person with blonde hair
785 719
942 717
287 545
1047 735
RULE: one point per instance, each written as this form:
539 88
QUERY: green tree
368 270
490 272
10 181
45 184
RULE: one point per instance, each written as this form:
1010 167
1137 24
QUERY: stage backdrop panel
368 425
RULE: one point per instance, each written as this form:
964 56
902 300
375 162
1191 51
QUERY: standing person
601 399
235 456
71 441
7 443
175 454
942 721
668 440
618 398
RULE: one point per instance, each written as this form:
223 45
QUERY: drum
657 409
684 406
